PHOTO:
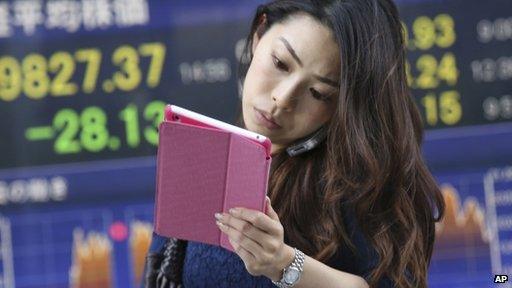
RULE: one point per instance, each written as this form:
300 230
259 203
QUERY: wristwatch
292 273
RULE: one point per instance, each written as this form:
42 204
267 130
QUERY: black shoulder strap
164 268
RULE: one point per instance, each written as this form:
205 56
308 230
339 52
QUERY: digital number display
36 77
459 61
102 96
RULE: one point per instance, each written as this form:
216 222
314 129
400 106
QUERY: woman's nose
285 96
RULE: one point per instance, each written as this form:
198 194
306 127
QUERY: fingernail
218 216
233 210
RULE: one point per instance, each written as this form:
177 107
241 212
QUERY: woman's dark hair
371 160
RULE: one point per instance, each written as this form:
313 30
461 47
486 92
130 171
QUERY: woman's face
293 78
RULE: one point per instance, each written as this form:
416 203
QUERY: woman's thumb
270 211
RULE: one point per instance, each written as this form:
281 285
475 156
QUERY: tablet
206 166
182 115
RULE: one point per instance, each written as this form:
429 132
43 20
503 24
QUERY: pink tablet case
202 170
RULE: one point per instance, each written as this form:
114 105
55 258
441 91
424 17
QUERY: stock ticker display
83 84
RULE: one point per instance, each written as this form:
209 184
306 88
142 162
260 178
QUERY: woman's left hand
258 239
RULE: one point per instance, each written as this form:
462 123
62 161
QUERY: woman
352 203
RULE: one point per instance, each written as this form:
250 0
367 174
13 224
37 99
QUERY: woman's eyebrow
291 50
297 59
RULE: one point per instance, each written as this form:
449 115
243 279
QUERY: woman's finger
245 255
258 219
271 212
262 238
239 240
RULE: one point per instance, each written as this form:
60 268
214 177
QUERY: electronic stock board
83 84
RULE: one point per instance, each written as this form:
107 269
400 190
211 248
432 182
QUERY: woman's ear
262 23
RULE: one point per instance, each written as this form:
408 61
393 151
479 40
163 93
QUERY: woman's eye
279 64
318 96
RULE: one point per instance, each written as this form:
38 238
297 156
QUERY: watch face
291 276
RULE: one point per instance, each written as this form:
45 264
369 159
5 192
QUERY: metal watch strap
298 262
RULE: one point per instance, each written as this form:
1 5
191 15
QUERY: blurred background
83 84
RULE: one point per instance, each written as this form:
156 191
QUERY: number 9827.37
36 77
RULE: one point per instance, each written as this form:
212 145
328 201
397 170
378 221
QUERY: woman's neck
275 149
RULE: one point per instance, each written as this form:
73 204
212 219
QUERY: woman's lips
262 120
